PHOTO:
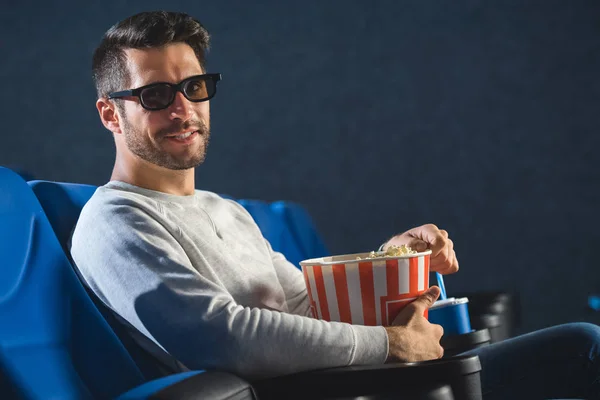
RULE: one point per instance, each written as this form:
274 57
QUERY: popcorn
392 251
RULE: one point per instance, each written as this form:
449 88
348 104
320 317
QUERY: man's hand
443 257
411 337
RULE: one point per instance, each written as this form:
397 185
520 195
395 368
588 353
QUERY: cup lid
450 301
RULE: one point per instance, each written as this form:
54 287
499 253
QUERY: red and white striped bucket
366 291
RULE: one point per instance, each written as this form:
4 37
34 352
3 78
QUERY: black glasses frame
176 87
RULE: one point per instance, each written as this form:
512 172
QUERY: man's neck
153 177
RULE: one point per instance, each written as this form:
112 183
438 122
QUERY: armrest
460 372
212 385
193 385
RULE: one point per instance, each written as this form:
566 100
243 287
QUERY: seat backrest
275 229
62 202
302 227
54 343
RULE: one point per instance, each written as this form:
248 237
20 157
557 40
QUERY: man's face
151 135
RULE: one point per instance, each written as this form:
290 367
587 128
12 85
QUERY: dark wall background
481 117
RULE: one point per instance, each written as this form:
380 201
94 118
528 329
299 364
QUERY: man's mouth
186 137
183 136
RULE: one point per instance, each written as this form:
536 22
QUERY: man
192 272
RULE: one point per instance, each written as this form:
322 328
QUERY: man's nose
181 108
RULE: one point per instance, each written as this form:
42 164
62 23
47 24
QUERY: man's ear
108 115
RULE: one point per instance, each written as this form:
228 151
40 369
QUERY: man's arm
292 281
139 269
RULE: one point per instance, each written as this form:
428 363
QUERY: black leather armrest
208 385
461 373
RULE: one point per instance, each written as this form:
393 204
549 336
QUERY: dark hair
142 31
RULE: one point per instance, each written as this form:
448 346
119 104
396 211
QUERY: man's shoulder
110 214
108 203
106 196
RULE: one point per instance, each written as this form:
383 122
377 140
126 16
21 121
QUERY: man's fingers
445 268
445 262
443 258
418 245
436 238
432 236
452 265
438 244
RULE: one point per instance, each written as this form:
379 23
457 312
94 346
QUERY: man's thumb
421 303
429 297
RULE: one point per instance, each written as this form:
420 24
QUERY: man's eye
153 93
194 87
156 91
196 90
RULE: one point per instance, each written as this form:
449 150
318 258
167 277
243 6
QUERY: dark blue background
481 117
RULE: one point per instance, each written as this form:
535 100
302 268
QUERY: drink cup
452 314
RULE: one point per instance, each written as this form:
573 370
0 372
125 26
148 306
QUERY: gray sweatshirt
195 275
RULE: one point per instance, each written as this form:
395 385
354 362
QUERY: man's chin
179 165
182 167
176 161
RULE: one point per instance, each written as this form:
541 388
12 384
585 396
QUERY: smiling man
191 272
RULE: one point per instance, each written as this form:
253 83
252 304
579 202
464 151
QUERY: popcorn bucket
365 291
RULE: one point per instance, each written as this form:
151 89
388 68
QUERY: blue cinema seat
275 229
55 341
302 227
289 229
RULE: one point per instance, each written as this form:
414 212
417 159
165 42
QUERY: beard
141 145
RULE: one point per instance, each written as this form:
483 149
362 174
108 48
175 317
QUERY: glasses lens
199 89
157 96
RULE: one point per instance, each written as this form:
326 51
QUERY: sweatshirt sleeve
134 264
292 282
